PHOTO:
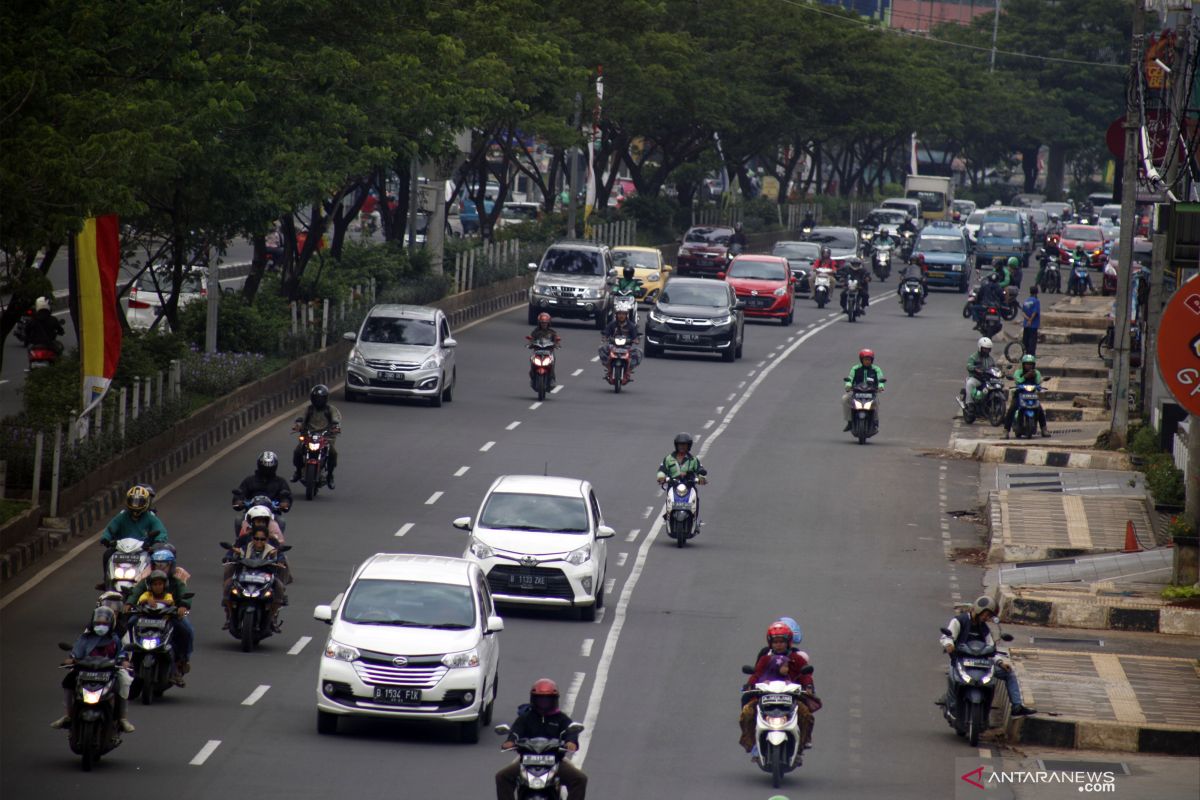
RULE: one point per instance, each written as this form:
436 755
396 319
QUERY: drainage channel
1065 640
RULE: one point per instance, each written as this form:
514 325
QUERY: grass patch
11 508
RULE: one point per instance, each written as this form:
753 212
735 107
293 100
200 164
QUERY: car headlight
430 363
541 290
340 652
657 316
467 658
956 267
593 293
480 550
653 276
580 556
725 320
780 292
356 358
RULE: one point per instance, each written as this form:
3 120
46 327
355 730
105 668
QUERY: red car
764 285
704 250
1090 236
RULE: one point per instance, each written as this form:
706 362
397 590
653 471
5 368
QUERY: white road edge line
300 644
487 446
596 699
256 695
458 473
405 528
205 752
433 498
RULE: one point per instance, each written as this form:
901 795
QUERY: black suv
696 314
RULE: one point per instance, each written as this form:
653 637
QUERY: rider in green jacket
865 370
1027 373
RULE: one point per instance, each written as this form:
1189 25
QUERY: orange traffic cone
1131 540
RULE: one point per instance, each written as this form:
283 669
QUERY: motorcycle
969 306
537 778
990 323
853 299
1078 283
881 258
251 593
22 325
908 241
242 506
129 559
94 727
1109 283
1051 281
991 401
806 231
777 727
822 285
541 366
620 362
41 356
1028 410
683 507
151 650
316 446
864 419
910 295
970 685
1010 307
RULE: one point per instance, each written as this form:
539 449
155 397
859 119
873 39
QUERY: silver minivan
402 351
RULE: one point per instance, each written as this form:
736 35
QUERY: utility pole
995 30
214 298
572 166
1118 432
414 185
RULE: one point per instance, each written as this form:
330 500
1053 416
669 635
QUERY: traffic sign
1179 346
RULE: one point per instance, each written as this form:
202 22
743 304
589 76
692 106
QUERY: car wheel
448 394
326 723
436 400
652 351
962 285
601 319
349 396
533 315
788 319
468 732
737 353
730 353
588 613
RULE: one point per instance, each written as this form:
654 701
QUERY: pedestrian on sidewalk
1032 320
973 626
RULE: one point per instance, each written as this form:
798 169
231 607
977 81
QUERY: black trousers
1029 338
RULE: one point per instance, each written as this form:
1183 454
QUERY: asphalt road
800 520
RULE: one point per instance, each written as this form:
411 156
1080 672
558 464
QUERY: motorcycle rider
628 284
825 261
162 560
978 365
808 223
258 547
1014 272
135 521
264 482
680 461
783 663
973 626
907 226
321 415
1080 256
100 640
542 718
859 373
260 518
44 329
544 331
917 268
621 325
854 268
1027 373
990 295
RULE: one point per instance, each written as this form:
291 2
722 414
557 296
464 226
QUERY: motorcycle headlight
725 320
314 446
468 658
656 316
92 697
356 358
884 255
340 652
776 723
124 572
681 489
481 550
780 292
537 782
150 642
580 556
430 363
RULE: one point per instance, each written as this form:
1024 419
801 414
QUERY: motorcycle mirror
284 548
747 669
64 646
502 730
946 631
1006 637
225 545
575 727
807 670
702 471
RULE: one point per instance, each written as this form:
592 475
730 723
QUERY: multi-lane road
800 520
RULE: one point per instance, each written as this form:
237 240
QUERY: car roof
705 282
403 310
710 228
796 241
759 257
539 484
631 248
836 229
416 567
577 244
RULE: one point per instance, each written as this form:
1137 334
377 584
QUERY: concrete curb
1091 612
1038 456
1087 734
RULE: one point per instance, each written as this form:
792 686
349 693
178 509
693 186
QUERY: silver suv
402 351
572 282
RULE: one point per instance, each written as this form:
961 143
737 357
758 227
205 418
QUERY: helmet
826 252
1080 249
682 439
797 634
319 395
984 343
266 464
105 617
259 512
162 559
629 272
137 500
156 575
737 226
543 696
1028 358
1013 261
982 604
866 352
779 629
543 317
110 600
41 304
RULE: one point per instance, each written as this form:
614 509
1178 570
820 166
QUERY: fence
615 234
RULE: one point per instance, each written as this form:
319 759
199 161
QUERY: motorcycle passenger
135 521
1027 373
783 663
544 331
973 626
978 365
621 325
44 329
258 547
264 482
861 373
162 560
542 718
100 640
321 415
854 268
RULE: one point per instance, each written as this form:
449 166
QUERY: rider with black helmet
680 461
264 481
321 415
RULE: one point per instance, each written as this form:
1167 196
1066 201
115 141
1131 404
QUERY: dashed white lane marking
405 528
458 473
731 398
810 326
985 752
621 557
779 346
720 409
633 534
709 424
2 382
433 498
556 389
749 374
649 510
760 365
300 644
609 585
487 446
535 405
205 752
577 372
595 359
586 649
741 385
600 615
512 425
256 695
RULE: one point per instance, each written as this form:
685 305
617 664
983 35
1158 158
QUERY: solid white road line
205 752
578 372
621 557
487 446
633 534
573 692
512 425
535 405
300 644
256 695
586 649
556 389
458 473
405 528
433 498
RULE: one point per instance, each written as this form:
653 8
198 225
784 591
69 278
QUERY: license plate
397 695
527 580
539 760
687 338
392 376
151 623
777 699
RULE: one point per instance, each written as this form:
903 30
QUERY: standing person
1031 321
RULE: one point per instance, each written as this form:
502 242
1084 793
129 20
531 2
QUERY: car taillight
137 304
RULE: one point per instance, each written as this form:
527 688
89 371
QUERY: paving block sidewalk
1029 525
1108 701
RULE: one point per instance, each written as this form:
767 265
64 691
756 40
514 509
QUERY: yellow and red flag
96 265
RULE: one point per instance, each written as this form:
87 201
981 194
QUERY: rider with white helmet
977 367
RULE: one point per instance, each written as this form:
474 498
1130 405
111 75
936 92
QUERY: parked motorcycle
970 685
129 559
683 507
777 728
990 402
620 362
152 649
316 446
94 727
539 758
251 594
853 299
910 295
823 280
1029 408
864 418
541 366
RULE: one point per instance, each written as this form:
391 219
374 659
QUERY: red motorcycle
620 362
316 446
41 355
541 366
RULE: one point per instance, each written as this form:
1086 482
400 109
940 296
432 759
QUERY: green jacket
1006 276
315 419
670 468
856 370
1019 377
148 528
629 287
176 587
978 362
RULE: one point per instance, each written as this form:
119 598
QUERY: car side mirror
188 595
350 336
739 306
605 532
502 730
323 614
747 669
283 548
462 523
1006 637
666 268
450 341
612 272
495 624
531 266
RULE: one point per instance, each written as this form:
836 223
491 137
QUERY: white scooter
777 731
822 281
128 561
682 508
540 757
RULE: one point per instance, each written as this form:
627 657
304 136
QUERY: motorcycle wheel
617 375
248 631
1013 351
851 312
976 718
680 539
910 307
967 311
777 766
147 677
541 387
821 302
1008 313
88 748
310 481
995 410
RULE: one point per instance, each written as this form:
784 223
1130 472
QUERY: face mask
101 630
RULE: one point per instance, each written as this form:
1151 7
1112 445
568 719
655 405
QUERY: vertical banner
95 266
593 138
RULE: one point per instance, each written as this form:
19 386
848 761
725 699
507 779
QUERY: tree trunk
1055 166
1029 165
785 180
258 266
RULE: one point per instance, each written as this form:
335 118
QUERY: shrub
655 214
1144 442
1164 479
761 213
216 374
241 327
53 394
1181 593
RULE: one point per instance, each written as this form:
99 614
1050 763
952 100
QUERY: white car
540 540
413 637
150 293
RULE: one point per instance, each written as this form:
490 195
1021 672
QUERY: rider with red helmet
542 717
780 663
862 372
544 331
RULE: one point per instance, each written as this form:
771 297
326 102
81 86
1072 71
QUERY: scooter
864 419
252 593
620 362
128 560
1078 283
1051 282
41 356
822 285
1029 408
777 727
537 778
1010 307
94 724
881 258
990 402
970 685
541 366
316 446
152 651
683 507
969 306
626 303
910 295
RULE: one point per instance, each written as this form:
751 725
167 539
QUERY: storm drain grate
1026 564
1065 640
1055 765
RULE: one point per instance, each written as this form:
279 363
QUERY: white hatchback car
413 637
540 540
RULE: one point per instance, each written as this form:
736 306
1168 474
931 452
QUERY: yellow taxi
648 268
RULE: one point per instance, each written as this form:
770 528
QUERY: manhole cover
1055 765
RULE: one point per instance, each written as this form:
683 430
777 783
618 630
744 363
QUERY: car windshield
797 250
835 240
193 282
410 604
942 244
573 262
714 296
930 201
1083 233
535 512
398 330
962 206
1000 230
1039 215
521 213
886 217
708 236
1055 209
635 258
758 270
